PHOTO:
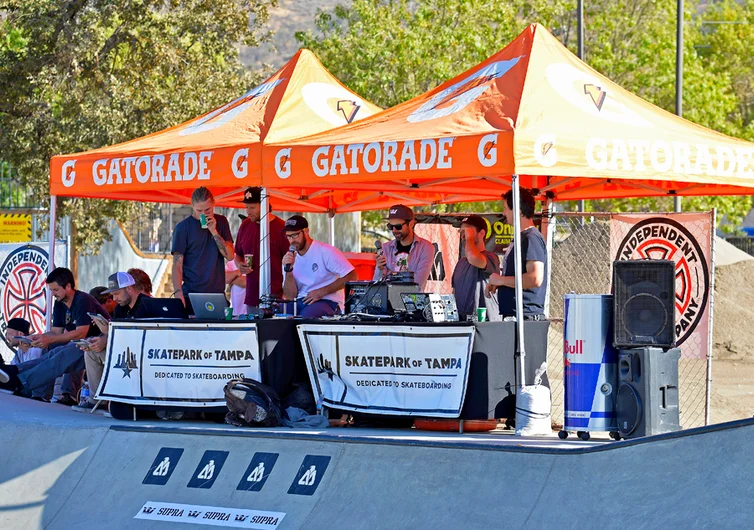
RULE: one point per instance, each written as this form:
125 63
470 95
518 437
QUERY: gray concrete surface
64 470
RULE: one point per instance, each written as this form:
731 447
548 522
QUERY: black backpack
251 404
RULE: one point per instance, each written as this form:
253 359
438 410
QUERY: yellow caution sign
15 228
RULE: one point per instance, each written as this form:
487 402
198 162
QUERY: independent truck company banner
177 364
686 239
397 370
23 291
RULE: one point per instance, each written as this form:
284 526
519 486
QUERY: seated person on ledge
318 272
533 258
70 321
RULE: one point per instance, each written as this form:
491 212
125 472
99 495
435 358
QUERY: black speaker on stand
644 333
647 399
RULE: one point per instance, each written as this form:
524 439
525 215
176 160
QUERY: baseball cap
296 222
476 221
399 211
119 280
252 195
19 324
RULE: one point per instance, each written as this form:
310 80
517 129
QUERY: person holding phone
17 335
129 296
247 246
70 321
202 243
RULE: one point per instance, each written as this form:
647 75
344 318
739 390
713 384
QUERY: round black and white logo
23 288
662 238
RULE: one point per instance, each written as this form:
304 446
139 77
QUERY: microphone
289 266
378 246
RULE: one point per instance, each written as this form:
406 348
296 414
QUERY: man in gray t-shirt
202 243
472 272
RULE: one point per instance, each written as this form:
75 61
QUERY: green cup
481 314
203 220
228 313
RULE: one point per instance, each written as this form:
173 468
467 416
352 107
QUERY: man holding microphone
315 272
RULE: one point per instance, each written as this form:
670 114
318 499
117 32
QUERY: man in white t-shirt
315 274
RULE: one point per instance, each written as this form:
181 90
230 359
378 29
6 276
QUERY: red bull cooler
590 373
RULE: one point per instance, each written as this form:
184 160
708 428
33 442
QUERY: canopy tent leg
264 245
331 227
548 229
51 257
520 349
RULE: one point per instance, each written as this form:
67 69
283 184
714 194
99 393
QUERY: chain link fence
581 263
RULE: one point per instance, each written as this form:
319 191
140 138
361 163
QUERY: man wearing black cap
473 270
534 261
247 244
317 273
201 244
408 252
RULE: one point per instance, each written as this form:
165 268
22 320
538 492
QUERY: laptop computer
209 306
163 308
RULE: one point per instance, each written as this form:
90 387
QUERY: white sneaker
4 377
88 407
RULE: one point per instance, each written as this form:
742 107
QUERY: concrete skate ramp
61 470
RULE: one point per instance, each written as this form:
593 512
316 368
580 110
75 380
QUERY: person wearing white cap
128 295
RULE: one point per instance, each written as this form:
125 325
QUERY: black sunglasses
396 227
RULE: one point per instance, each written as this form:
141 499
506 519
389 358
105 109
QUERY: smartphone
84 343
25 340
97 316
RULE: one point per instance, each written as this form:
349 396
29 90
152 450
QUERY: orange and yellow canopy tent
221 149
534 110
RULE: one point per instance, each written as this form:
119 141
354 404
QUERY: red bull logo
574 348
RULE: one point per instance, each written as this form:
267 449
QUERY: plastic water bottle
84 393
320 407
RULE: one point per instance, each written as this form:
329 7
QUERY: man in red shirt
247 243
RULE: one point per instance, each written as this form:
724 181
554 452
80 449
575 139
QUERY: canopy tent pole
331 224
548 226
520 350
678 77
51 258
264 245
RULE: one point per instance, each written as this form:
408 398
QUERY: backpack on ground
251 404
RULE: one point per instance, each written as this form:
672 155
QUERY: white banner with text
388 369
177 364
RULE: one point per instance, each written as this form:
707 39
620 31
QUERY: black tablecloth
491 388
494 366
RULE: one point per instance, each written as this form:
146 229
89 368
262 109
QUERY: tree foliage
82 74
392 50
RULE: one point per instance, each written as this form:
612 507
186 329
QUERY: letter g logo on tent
456 97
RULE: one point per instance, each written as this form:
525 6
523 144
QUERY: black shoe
40 398
67 400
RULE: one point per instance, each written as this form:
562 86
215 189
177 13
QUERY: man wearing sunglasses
315 272
407 252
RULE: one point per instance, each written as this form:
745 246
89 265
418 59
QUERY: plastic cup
249 258
203 220
481 314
